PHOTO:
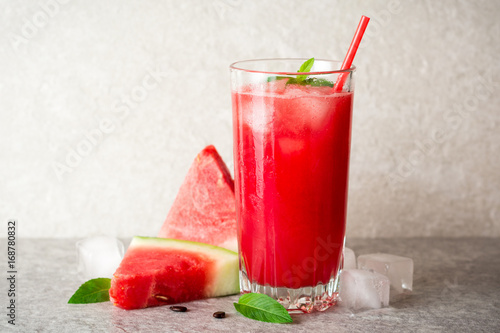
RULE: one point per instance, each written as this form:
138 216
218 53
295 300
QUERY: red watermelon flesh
157 271
204 209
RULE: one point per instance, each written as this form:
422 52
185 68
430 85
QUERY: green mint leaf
312 81
305 68
275 78
321 83
303 80
262 307
294 80
92 291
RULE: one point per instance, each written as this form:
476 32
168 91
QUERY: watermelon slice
204 209
158 271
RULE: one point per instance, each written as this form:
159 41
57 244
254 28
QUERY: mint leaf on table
92 291
262 307
305 68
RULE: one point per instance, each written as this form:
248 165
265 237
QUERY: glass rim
235 66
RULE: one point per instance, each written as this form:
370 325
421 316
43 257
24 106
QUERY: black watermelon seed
178 308
219 314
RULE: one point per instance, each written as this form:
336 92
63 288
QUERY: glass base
300 300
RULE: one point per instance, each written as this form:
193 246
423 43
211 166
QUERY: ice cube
360 289
349 258
98 257
289 146
398 269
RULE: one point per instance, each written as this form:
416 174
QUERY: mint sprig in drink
291 153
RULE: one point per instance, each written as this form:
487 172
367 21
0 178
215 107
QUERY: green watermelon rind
143 240
226 273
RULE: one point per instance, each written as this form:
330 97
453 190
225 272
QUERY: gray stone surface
456 288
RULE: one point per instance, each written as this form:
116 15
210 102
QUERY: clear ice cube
361 290
98 257
349 258
398 269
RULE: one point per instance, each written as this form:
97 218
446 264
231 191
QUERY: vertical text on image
11 271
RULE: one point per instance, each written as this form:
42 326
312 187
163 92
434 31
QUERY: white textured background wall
104 105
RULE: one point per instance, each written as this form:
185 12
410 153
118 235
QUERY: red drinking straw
351 53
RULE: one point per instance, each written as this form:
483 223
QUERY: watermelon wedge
204 209
158 271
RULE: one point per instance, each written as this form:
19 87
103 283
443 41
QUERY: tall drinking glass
291 155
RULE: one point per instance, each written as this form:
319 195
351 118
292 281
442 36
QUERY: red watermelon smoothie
291 154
